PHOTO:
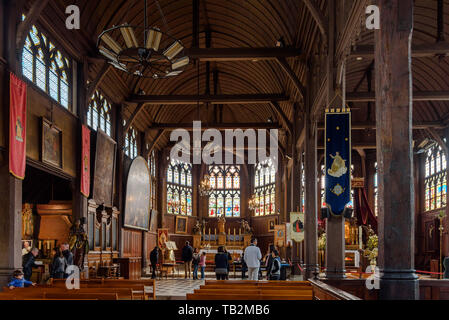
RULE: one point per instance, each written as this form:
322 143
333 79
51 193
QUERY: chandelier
205 186
143 51
252 203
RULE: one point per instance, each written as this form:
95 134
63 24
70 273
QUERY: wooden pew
44 295
237 296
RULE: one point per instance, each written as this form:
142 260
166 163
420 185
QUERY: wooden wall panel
132 243
151 243
39 105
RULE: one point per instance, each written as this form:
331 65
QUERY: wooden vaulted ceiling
235 24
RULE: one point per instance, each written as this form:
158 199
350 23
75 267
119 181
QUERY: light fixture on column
143 51
205 186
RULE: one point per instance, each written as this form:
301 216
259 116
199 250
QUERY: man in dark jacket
154 256
28 263
187 254
68 255
269 259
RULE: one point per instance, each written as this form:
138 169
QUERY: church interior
99 99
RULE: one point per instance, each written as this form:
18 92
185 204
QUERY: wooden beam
94 84
133 116
318 16
212 99
241 54
218 126
417 96
292 75
31 16
418 51
281 113
372 125
155 141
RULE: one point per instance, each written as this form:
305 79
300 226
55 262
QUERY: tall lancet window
435 182
179 188
131 143
225 197
99 113
265 188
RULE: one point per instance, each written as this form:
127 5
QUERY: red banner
85 162
17 126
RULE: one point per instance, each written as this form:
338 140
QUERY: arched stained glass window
179 188
99 113
265 188
225 197
47 67
131 143
435 183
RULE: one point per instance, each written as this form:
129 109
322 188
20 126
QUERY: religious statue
27 222
338 167
78 243
198 228
246 227
221 224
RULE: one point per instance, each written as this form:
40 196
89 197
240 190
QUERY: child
18 281
203 264
195 261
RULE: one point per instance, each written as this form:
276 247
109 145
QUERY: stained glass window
47 67
179 188
225 197
265 188
435 183
99 113
153 179
131 143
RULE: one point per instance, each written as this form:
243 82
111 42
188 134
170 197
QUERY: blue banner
338 160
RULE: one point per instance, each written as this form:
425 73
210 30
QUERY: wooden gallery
323 133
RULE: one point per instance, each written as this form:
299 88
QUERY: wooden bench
238 296
41 294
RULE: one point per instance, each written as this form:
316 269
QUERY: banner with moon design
338 160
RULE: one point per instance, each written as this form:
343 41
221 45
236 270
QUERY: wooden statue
221 224
27 222
78 243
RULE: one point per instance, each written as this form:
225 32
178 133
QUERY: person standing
269 259
252 258
28 263
196 262
244 267
58 264
274 273
154 257
187 254
221 264
203 264
68 255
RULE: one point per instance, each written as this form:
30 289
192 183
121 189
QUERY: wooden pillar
335 226
295 183
311 221
10 187
120 138
395 157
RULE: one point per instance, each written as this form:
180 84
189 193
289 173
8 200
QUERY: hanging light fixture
143 51
205 186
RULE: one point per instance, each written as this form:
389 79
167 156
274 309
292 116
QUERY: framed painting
181 225
271 223
153 220
138 196
104 169
51 145
162 238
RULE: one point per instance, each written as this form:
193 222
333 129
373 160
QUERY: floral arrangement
371 251
322 242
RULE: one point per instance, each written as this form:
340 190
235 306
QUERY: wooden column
10 187
335 226
395 157
310 168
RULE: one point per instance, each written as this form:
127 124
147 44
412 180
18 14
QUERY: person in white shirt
252 258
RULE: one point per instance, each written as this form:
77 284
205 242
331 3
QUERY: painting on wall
181 225
138 196
162 238
51 146
104 169
271 223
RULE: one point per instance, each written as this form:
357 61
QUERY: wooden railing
322 291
